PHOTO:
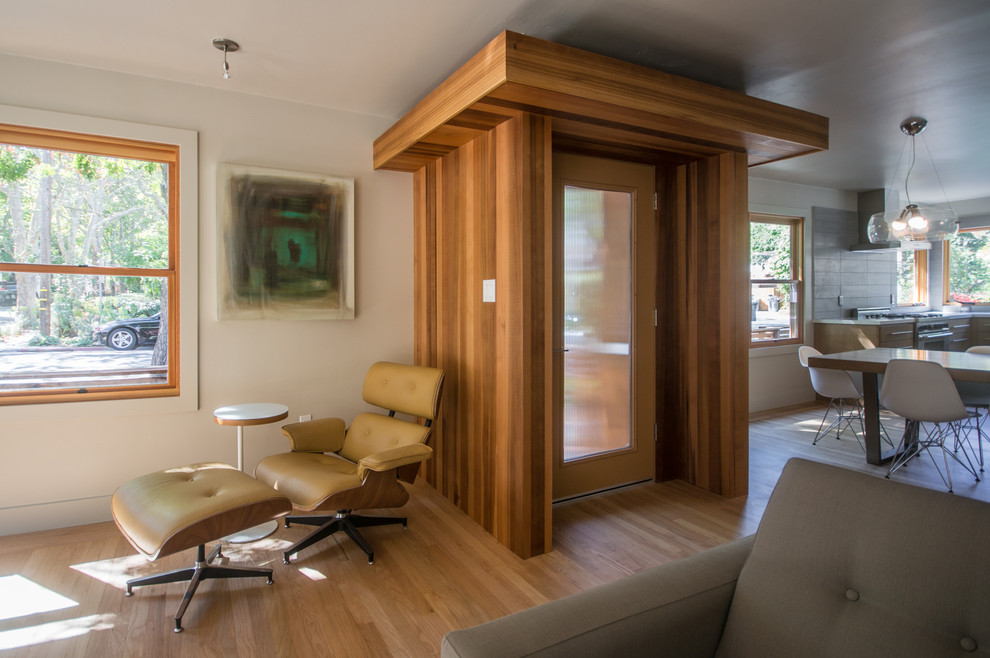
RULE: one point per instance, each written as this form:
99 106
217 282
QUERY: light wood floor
442 573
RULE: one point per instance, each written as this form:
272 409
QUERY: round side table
240 415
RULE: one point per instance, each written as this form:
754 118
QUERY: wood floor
442 573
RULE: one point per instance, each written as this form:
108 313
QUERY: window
912 278
89 275
777 290
967 267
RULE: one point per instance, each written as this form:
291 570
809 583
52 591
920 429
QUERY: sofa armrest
320 435
676 609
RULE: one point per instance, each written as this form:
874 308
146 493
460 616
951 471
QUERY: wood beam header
598 99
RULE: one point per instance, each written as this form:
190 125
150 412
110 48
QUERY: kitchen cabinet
980 331
961 333
844 337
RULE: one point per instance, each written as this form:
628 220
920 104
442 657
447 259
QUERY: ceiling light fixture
914 224
227 46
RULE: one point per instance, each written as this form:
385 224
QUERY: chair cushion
178 508
307 478
848 564
372 433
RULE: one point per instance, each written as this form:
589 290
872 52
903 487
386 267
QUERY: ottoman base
202 570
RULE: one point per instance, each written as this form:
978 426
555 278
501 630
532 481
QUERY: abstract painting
286 244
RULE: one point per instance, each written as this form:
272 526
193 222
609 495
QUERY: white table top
250 413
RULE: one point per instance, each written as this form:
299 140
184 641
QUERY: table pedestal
240 415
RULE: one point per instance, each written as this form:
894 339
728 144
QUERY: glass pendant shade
914 225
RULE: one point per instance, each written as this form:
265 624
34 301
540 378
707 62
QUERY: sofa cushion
676 609
848 564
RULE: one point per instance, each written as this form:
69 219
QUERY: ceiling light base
226 45
911 126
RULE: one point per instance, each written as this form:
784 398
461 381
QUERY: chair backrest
833 384
828 383
979 349
921 390
806 351
412 390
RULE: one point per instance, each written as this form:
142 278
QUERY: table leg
240 448
259 531
871 404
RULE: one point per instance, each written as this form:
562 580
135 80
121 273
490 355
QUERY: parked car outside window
127 334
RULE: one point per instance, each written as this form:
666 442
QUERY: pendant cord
938 177
908 175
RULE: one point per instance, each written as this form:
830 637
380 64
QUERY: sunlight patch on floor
20 596
56 630
312 574
115 571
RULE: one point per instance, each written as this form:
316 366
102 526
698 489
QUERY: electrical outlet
305 417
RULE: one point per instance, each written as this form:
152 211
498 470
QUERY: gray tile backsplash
861 279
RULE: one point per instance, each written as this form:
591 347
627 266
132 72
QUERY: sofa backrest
849 564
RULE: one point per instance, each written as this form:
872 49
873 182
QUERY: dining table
961 366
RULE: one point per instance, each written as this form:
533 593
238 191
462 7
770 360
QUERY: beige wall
61 463
776 378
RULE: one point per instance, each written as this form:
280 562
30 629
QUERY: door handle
558 350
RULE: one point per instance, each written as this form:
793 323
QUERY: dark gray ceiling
866 65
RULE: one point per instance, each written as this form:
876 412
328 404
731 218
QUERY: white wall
62 462
776 378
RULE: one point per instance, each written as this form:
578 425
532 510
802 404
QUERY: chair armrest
394 458
676 609
320 435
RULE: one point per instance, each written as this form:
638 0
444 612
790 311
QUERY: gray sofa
843 564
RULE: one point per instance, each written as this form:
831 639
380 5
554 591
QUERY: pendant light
227 46
915 223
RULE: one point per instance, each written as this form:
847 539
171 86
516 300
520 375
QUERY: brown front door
604 324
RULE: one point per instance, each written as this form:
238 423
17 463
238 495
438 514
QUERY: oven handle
940 334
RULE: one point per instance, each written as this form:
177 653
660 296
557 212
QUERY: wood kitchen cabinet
961 333
831 338
980 331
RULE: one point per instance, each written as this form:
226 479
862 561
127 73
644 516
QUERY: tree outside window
967 267
776 279
86 266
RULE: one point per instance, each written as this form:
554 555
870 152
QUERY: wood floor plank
443 573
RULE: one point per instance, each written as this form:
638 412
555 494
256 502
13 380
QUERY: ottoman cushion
178 508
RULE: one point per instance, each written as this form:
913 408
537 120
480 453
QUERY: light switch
488 290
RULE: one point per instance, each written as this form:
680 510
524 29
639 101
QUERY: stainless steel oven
932 333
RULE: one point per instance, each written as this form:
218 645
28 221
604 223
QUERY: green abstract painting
286 244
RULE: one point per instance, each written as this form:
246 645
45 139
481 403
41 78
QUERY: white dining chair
923 392
842 393
976 398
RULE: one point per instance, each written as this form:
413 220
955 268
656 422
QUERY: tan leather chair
342 469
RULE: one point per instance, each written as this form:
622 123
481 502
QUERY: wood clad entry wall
703 366
486 209
479 147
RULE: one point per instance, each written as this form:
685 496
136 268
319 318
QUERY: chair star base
342 520
202 570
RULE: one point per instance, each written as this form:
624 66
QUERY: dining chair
840 389
976 397
923 392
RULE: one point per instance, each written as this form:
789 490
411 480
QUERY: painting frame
285 244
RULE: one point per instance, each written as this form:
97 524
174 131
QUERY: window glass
969 267
775 274
85 267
